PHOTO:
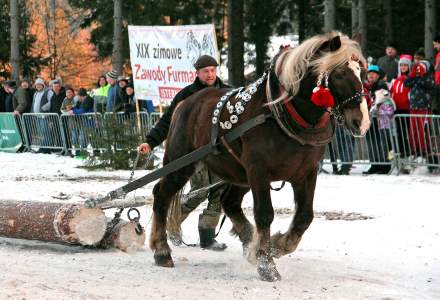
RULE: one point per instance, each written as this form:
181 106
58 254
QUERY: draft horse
286 147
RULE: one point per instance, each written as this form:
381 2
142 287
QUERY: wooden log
124 203
53 222
124 236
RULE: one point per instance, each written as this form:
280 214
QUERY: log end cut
126 238
79 225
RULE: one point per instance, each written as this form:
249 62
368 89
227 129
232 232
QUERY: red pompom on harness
322 96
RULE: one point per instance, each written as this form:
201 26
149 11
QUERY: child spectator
84 103
421 83
385 108
376 154
68 102
436 102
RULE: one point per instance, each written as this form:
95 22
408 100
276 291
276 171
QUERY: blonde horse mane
298 60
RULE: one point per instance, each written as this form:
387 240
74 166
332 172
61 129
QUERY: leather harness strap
230 150
178 163
287 102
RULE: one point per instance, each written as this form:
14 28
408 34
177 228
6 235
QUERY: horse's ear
335 43
357 38
331 45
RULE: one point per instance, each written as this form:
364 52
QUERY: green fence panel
10 138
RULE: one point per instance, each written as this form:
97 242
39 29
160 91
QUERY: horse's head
337 62
343 63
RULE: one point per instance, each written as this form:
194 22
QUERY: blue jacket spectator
84 104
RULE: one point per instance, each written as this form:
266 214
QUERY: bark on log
123 236
53 222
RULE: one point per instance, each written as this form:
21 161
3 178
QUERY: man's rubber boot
207 240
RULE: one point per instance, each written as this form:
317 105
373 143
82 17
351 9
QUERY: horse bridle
337 113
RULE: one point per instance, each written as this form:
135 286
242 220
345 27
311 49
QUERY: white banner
162 58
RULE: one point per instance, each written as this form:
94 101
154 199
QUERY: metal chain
117 216
202 190
138 155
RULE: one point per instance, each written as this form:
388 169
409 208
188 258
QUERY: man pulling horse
306 90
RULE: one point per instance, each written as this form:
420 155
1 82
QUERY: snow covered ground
375 237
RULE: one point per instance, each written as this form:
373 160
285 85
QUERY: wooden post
137 116
53 222
160 108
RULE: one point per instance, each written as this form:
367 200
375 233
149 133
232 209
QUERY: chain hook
139 230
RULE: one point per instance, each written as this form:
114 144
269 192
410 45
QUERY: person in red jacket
436 102
400 94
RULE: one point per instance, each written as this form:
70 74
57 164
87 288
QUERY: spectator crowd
113 93
397 84
406 84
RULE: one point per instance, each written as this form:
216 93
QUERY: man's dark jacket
56 100
159 132
390 65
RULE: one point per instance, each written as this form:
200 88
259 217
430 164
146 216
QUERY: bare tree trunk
53 29
301 20
363 24
389 34
117 36
15 33
354 18
235 43
53 222
430 19
329 15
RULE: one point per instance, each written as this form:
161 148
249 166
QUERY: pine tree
118 138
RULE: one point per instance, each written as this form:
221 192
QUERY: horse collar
243 96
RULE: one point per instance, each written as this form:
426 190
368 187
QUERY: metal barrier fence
154 118
82 131
417 140
376 148
42 131
411 140
92 130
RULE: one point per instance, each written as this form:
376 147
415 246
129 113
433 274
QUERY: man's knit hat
11 83
82 92
112 74
205 61
39 81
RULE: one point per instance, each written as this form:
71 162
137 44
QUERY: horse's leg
263 214
286 243
163 192
231 202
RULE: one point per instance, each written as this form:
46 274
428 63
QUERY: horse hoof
269 274
163 260
266 268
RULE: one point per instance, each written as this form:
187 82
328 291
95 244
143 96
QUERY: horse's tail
174 217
